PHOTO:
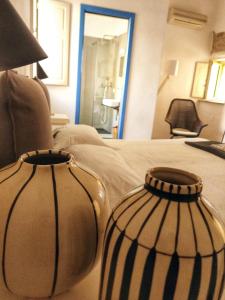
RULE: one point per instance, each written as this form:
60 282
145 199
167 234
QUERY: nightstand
59 120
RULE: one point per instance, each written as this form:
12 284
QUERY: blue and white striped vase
163 241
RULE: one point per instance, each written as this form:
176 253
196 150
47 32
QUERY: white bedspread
141 156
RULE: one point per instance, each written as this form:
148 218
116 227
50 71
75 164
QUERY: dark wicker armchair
183 118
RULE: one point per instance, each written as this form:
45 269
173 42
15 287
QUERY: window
209 81
216 85
51 21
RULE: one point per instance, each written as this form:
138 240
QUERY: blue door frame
112 13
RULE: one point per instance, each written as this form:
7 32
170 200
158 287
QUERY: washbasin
111 102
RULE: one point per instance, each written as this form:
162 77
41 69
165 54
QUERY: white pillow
76 134
110 166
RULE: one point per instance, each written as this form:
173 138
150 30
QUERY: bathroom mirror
103 69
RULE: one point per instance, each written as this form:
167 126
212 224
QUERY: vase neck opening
173 183
46 157
174 176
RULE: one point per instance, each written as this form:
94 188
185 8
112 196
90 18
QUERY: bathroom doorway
103 69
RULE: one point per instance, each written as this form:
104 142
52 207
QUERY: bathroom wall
88 75
122 47
99 59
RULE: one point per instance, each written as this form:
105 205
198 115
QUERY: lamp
40 72
18 47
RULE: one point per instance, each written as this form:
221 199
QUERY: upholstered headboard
24 117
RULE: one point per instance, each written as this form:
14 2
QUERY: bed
175 153
122 166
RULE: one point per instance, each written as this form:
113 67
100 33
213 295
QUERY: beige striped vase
163 242
53 214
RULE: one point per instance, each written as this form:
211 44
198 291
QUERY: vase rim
45 158
174 181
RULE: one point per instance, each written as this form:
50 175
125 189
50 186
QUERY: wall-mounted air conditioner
186 18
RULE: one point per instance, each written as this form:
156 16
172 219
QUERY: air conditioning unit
186 18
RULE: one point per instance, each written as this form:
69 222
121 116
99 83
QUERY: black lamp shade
18 46
40 72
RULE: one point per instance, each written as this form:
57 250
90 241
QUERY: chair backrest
182 113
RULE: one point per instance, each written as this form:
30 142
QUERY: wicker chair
183 118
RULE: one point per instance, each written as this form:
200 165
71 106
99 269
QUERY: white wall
187 46
212 113
99 25
149 30
23 8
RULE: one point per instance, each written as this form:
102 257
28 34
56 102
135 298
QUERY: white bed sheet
143 155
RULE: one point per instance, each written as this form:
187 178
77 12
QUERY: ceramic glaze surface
163 242
52 218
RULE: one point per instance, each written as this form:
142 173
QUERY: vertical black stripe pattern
137 211
156 183
193 228
171 278
207 225
162 222
8 167
55 275
128 271
223 277
146 282
146 271
148 217
213 277
189 189
132 203
178 226
113 264
196 278
8 222
91 201
11 174
209 212
105 256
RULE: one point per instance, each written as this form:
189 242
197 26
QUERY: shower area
102 81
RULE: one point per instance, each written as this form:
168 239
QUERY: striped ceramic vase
52 217
163 242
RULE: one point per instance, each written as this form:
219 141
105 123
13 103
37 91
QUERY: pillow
45 90
24 117
110 166
76 134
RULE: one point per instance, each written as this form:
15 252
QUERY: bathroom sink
111 102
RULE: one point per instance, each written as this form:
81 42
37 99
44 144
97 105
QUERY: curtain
218 42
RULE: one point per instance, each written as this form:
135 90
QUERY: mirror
103 69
